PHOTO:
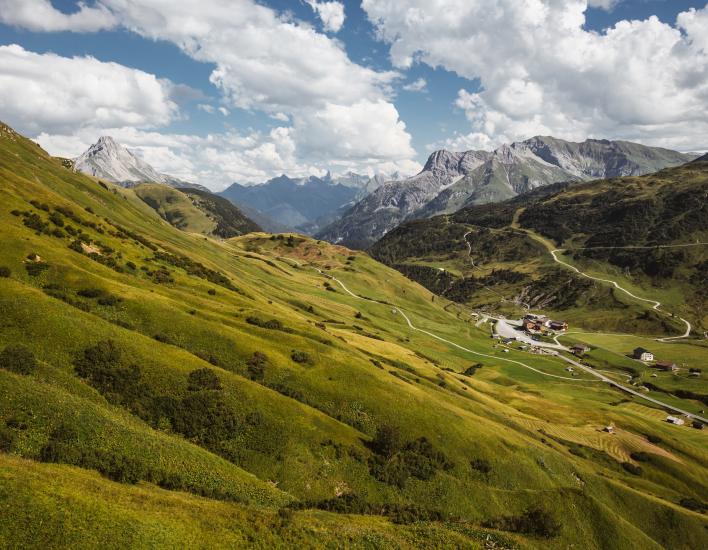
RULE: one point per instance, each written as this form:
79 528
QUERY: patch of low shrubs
534 521
482 465
18 359
395 461
203 379
693 504
632 468
270 324
201 415
35 269
5 271
640 456
256 366
301 357
355 504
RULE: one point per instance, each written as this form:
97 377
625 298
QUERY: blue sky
368 116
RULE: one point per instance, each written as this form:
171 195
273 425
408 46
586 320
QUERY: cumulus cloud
47 92
330 13
268 63
40 15
418 85
542 72
607 5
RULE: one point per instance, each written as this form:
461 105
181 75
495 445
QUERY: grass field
276 441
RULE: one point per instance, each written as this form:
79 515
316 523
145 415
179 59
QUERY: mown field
173 389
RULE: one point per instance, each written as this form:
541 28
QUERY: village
538 334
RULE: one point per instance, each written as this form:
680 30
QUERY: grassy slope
175 207
342 397
664 208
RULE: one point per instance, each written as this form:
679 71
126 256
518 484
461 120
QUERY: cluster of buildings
645 355
541 323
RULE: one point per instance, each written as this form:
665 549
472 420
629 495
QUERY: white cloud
268 63
330 13
40 15
607 5
419 85
209 109
541 72
224 111
47 92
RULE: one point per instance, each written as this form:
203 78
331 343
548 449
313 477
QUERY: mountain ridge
452 180
107 159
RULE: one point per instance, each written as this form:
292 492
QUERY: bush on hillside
640 456
482 465
632 468
18 359
7 436
256 366
355 504
693 504
387 441
203 379
5 271
395 461
301 357
534 521
35 269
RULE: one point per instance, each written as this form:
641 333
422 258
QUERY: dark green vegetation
179 391
624 229
196 211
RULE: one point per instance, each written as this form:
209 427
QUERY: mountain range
450 181
304 204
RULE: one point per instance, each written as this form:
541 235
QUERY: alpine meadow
316 275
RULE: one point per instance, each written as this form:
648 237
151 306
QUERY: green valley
164 385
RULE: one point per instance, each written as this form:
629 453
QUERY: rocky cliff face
450 181
109 160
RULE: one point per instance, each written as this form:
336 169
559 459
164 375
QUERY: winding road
600 377
656 305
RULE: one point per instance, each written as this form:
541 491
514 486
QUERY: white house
643 354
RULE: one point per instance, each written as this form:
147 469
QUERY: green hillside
196 211
164 388
639 231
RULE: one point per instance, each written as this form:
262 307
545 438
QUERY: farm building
579 350
643 354
675 420
666 365
558 325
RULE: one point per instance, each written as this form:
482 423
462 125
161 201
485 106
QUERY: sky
223 91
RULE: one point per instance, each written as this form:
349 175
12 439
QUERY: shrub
256 366
7 436
211 292
655 439
640 456
301 357
19 359
632 468
387 440
394 462
203 379
62 446
131 265
35 269
482 465
693 504
534 521
5 271
57 219
90 292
